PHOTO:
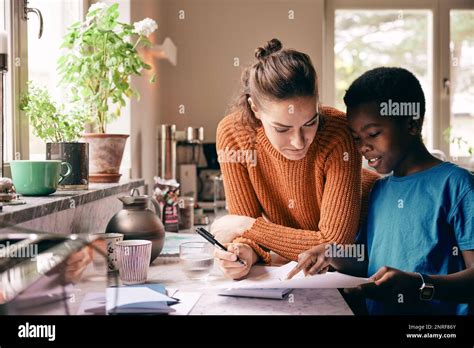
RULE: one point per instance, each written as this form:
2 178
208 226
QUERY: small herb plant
51 122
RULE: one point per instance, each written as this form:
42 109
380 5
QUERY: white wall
211 35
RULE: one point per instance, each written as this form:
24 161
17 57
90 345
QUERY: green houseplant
100 56
61 129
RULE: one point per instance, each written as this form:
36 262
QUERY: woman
291 170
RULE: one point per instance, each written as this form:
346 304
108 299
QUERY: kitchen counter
167 271
36 207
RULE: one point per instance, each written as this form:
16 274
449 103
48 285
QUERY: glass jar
186 213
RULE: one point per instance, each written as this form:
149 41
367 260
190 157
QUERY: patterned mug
133 260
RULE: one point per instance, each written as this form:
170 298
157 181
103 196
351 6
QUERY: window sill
37 207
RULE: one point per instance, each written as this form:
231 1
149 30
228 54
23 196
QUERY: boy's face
383 142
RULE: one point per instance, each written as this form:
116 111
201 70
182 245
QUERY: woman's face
290 125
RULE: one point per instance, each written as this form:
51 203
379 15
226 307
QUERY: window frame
445 6
17 27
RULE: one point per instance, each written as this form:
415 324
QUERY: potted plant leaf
100 56
61 129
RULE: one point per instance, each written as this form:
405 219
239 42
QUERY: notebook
138 300
275 294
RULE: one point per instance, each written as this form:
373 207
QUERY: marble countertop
61 200
167 271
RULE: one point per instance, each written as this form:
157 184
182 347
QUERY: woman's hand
389 283
227 260
312 261
229 227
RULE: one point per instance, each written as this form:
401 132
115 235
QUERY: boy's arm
388 283
350 265
456 287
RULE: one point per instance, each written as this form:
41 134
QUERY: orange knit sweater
307 202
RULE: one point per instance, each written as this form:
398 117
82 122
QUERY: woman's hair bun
272 46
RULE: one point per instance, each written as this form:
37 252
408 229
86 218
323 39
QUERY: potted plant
99 59
61 129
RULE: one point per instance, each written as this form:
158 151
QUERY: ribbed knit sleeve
239 192
340 206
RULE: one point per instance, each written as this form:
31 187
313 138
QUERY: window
461 85
7 125
43 53
434 39
366 39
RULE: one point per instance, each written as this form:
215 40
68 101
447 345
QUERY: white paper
92 304
275 278
136 298
187 301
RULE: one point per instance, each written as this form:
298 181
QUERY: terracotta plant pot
105 156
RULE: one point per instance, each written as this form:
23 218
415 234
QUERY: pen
210 238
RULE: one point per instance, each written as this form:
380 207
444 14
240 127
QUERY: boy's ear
414 127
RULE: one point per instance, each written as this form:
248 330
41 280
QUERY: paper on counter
92 304
187 302
275 278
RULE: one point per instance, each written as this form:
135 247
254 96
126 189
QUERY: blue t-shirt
420 223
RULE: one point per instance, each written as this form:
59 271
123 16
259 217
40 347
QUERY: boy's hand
227 260
312 261
389 283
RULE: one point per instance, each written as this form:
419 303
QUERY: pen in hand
210 238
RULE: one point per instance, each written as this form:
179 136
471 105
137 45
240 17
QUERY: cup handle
69 171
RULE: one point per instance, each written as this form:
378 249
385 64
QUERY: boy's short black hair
382 84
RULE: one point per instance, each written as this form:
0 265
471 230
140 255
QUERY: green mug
38 178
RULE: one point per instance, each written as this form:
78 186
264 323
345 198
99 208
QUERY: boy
419 232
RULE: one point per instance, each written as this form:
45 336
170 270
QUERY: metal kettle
137 221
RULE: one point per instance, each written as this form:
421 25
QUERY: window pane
366 39
43 53
8 112
462 81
